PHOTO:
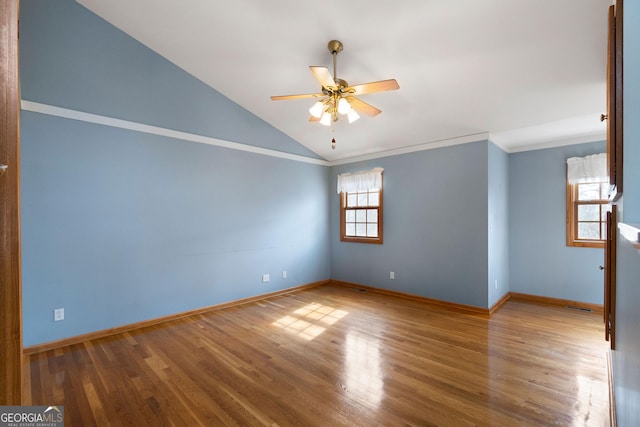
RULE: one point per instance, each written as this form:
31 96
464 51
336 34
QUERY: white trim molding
52 110
499 139
476 137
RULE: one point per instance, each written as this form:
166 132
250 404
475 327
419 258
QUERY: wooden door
610 277
615 159
614 100
10 263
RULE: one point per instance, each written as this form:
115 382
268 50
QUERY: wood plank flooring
335 356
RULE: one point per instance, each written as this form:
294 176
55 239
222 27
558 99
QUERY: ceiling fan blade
314 119
381 86
323 75
363 107
300 96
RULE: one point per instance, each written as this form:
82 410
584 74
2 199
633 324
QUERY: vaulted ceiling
525 73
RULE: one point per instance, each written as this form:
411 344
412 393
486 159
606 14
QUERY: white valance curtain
587 169
360 181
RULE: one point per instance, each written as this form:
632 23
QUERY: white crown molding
568 131
52 110
557 142
482 136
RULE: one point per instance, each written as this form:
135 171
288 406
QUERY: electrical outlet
495 284
284 274
58 314
392 275
265 278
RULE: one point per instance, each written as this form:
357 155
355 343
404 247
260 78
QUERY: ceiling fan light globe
326 119
343 106
316 110
352 116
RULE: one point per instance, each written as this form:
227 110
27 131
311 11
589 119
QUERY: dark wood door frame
610 277
615 160
10 260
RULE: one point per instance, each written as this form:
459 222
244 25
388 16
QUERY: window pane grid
590 209
362 212
591 218
366 199
361 222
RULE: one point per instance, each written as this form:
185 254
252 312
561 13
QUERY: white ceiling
530 73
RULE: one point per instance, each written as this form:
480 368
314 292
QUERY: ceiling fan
338 96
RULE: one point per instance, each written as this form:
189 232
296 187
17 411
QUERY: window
587 206
587 201
361 216
361 206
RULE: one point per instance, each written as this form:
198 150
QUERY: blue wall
626 357
71 58
435 226
122 226
631 151
498 210
540 261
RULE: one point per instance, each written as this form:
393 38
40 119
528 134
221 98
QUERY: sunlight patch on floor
310 321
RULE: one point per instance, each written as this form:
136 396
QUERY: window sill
361 240
587 244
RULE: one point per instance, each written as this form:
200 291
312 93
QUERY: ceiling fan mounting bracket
335 46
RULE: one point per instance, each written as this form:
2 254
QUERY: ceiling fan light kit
326 119
317 109
352 116
340 98
327 111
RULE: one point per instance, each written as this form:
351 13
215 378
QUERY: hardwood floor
335 356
